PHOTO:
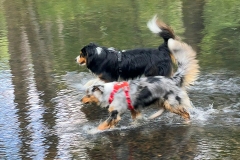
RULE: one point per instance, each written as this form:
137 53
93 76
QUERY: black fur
134 63
153 79
178 99
144 98
167 94
113 115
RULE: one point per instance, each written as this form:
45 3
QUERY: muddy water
40 84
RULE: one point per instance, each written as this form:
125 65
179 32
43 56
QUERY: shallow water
41 116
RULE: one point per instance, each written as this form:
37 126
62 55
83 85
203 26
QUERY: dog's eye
94 89
81 54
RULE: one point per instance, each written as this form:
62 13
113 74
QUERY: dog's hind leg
157 114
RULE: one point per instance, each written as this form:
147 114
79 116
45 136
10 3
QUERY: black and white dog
170 92
111 65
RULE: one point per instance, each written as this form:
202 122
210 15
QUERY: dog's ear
97 87
90 50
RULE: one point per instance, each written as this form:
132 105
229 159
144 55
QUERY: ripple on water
218 83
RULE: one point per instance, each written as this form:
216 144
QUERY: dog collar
125 86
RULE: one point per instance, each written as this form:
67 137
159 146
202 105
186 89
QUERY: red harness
125 86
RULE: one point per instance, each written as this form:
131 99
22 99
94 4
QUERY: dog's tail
163 30
188 68
160 28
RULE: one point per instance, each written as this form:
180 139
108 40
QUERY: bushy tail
163 30
188 68
160 28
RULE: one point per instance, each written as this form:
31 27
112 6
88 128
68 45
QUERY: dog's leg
136 114
178 110
112 120
157 114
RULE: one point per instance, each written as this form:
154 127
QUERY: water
41 116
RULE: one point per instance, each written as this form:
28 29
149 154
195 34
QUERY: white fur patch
77 58
99 50
152 25
111 49
92 82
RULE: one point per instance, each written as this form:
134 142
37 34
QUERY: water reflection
41 116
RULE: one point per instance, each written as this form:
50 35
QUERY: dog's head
87 52
94 95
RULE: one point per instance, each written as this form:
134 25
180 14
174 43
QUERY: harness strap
126 90
119 54
125 86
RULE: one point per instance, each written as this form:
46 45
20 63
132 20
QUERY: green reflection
120 24
220 44
4 56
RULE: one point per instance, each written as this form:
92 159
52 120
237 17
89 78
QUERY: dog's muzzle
83 101
77 60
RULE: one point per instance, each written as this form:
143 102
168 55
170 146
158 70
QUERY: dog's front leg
136 114
112 120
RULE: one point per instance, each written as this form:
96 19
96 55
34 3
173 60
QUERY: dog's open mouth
82 64
86 103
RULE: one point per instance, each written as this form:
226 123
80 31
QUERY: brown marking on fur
178 110
107 125
163 26
82 60
173 59
110 109
135 114
89 99
103 126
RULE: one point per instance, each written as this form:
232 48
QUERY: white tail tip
152 25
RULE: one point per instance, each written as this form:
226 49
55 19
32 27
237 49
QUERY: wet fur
103 61
170 93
